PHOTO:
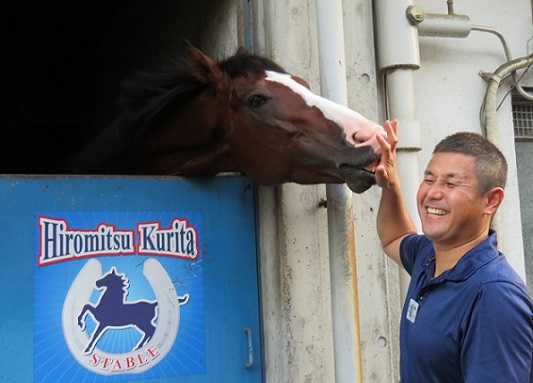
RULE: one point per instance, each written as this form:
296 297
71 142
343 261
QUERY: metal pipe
521 90
450 7
452 25
494 82
398 57
483 28
505 221
508 56
396 38
435 25
344 298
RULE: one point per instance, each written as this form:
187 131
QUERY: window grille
523 117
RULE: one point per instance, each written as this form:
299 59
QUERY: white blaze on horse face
358 130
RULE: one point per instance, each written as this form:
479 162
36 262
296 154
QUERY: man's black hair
490 164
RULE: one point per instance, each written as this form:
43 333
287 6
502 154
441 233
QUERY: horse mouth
358 179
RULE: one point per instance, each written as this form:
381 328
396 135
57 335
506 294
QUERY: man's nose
435 191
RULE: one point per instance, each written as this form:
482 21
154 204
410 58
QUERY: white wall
449 91
294 254
448 88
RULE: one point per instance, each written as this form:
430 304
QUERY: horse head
283 132
243 114
112 280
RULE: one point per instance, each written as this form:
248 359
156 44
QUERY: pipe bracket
415 14
409 136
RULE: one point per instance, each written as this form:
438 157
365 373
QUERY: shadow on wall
65 64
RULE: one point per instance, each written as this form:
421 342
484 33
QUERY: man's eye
428 181
257 100
450 184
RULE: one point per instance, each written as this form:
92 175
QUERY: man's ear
494 198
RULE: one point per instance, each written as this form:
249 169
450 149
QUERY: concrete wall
294 254
524 159
377 277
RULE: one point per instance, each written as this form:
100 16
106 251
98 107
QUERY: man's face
449 204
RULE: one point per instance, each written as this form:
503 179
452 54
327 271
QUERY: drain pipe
397 58
341 233
494 81
506 222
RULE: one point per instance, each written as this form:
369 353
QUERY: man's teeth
432 210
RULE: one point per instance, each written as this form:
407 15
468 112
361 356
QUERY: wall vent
523 116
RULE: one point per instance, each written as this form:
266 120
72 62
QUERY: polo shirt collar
473 260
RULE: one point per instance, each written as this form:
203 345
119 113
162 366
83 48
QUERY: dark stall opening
65 63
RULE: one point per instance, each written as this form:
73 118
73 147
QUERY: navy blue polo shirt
473 323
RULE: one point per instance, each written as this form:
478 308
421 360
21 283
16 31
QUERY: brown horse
244 114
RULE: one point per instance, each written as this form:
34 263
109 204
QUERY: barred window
522 116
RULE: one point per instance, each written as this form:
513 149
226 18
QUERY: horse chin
358 180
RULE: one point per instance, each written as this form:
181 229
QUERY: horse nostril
358 138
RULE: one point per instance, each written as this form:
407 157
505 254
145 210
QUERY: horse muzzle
358 180
359 175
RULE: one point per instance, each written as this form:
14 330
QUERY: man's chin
433 234
431 237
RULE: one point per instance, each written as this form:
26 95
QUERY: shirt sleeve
498 341
409 247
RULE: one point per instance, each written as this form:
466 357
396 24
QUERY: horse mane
146 96
243 62
119 281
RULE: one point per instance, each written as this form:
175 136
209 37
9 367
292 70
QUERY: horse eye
257 100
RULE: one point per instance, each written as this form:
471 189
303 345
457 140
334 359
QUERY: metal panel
194 259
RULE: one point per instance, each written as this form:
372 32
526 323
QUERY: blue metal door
108 279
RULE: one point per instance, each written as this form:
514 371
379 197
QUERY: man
467 315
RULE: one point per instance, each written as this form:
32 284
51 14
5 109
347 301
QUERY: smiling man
467 315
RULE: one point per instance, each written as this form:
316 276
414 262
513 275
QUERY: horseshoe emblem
150 350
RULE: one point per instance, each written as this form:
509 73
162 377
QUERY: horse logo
113 311
156 320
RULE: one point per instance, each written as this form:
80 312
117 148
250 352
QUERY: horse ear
205 68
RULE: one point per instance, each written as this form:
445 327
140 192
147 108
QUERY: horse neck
191 140
112 296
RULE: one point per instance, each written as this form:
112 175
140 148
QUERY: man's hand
386 175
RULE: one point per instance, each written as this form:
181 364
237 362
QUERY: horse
112 310
244 114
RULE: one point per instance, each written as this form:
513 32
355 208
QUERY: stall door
108 279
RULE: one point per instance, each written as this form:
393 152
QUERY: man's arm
393 222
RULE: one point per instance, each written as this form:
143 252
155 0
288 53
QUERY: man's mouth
435 211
